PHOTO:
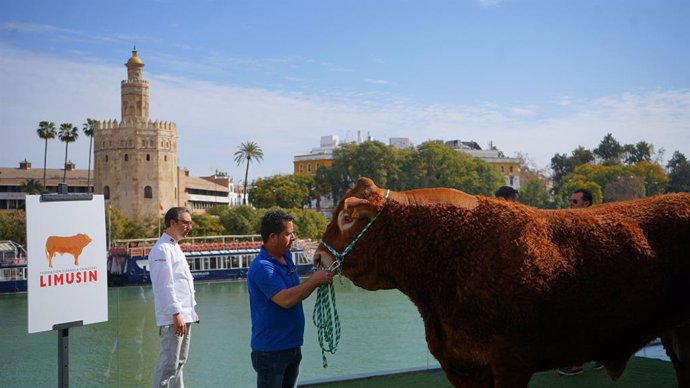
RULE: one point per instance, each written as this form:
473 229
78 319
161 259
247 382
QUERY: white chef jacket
172 282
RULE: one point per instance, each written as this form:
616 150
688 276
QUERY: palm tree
68 134
31 186
88 131
248 151
46 130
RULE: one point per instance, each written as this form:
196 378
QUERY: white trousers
173 355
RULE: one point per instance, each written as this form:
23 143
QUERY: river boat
13 267
210 258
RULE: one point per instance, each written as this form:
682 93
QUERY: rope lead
326 321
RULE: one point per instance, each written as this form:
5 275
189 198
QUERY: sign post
67 264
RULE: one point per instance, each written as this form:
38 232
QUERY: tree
68 134
46 131
206 225
247 152
32 186
13 227
598 177
609 150
309 224
285 191
562 165
88 131
240 220
679 173
624 188
536 193
441 166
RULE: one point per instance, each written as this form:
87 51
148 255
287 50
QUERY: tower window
106 158
126 157
165 158
148 157
148 192
106 192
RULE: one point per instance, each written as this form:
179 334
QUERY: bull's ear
359 208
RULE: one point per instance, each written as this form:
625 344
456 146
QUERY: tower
135 160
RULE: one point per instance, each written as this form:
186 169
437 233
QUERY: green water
380 331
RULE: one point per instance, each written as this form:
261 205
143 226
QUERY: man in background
173 297
508 193
581 198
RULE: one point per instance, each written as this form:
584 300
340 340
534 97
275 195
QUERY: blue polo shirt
273 327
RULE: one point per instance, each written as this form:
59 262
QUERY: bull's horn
359 208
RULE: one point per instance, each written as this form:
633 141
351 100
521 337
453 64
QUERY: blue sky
533 77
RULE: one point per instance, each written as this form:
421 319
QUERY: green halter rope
326 320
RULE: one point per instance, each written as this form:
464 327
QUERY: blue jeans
277 369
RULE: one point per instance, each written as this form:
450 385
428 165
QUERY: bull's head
352 215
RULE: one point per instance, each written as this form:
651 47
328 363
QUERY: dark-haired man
580 198
173 297
508 193
275 300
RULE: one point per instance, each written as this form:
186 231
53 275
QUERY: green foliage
562 165
285 191
247 152
240 220
13 227
596 177
624 188
309 224
609 150
351 161
206 225
430 165
115 223
32 186
678 173
536 193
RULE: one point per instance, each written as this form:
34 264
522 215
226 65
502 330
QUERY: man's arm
289 297
160 267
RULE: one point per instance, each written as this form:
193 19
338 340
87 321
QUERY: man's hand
180 325
322 277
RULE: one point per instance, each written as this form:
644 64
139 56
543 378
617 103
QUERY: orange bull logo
73 245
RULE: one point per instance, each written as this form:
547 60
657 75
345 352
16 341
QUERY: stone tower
135 165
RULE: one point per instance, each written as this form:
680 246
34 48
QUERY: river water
380 331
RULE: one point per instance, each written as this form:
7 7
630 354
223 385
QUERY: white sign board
67 262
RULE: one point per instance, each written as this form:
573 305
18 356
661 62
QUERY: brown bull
506 290
73 245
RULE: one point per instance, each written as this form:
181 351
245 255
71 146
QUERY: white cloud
213 119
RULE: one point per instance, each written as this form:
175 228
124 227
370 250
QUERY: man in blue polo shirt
275 300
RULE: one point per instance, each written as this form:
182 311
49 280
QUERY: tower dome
134 59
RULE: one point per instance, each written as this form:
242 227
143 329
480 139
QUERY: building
321 156
12 179
135 163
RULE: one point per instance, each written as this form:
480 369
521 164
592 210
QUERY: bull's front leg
76 259
677 344
512 363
